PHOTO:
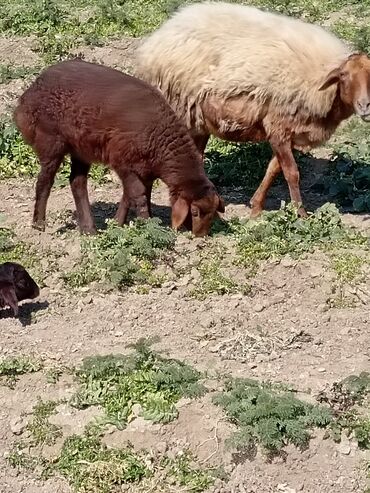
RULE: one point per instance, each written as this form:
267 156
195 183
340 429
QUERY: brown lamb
16 285
98 114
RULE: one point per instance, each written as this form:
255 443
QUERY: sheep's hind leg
50 154
78 183
284 154
257 202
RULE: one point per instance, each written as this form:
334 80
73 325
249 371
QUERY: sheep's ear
8 296
221 205
331 78
180 211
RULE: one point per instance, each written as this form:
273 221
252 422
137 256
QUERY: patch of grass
12 367
123 256
19 458
10 72
213 281
91 467
348 267
118 382
283 232
42 431
269 417
186 474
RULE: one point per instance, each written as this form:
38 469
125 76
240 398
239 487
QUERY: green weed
213 281
123 256
42 431
12 367
269 417
10 72
283 232
90 467
117 382
183 471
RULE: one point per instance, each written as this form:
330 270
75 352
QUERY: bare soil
283 332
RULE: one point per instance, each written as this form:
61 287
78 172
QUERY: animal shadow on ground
25 311
106 210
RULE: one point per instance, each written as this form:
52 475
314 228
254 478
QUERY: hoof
302 212
88 231
255 212
39 225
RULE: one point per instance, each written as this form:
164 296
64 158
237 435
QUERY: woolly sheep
98 114
243 74
16 285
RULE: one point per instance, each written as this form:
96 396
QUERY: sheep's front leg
284 154
78 183
257 202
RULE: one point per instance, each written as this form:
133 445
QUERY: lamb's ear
331 78
8 296
180 211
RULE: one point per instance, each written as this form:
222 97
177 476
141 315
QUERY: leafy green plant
283 232
10 72
43 432
122 256
117 382
268 416
213 281
183 472
91 467
12 367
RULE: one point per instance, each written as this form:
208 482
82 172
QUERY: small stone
118 333
344 447
162 447
17 425
321 370
136 410
259 307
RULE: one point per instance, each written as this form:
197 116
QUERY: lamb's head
197 214
25 287
15 285
353 79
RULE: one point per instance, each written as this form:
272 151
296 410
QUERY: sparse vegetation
42 431
118 382
123 256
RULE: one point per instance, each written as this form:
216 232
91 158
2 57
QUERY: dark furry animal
98 114
16 285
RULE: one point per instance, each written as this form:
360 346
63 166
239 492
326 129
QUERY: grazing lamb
16 285
243 74
98 114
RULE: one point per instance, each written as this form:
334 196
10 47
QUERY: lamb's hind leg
284 154
50 153
257 202
134 195
78 183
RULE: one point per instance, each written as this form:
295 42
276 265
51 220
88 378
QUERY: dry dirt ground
303 342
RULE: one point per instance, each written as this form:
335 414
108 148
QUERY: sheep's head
197 215
353 79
